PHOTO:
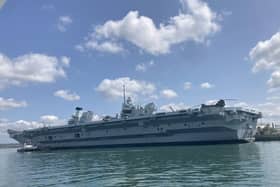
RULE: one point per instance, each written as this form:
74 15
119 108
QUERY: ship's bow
16 135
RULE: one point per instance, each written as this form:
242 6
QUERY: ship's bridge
130 110
79 118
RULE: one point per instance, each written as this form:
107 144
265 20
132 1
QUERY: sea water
251 164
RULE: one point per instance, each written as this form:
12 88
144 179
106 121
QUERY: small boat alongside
27 148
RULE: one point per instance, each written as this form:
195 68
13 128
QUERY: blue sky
55 55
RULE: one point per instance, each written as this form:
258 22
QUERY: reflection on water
255 164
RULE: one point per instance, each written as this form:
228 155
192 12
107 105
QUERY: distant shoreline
9 145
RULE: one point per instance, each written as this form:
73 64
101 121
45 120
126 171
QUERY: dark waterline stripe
149 144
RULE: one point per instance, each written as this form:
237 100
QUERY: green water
255 164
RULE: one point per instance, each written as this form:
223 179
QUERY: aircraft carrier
143 126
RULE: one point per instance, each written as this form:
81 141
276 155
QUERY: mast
123 94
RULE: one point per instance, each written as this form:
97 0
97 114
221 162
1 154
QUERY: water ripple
255 164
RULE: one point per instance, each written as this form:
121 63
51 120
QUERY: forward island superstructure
142 126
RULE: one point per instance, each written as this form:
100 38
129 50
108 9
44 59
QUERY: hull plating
179 130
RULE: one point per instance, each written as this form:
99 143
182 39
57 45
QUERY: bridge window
77 135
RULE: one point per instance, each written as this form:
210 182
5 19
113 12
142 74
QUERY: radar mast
124 94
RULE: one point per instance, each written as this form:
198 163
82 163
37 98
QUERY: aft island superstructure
142 126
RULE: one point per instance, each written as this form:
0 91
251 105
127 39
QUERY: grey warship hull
208 125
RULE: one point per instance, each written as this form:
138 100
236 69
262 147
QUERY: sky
56 55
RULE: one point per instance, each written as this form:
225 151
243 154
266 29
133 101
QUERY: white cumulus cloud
49 118
187 85
46 120
242 104
212 102
273 98
2 2
33 67
206 85
113 88
48 7
63 23
274 81
65 60
196 23
11 103
67 95
270 111
143 67
266 55
19 125
168 93
106 46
